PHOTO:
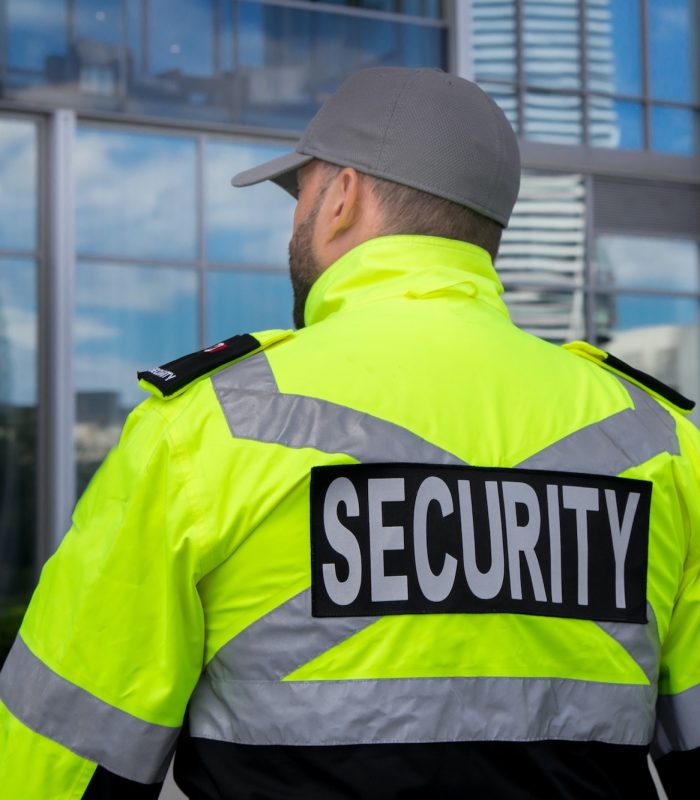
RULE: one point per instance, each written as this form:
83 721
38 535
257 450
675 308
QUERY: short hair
413 211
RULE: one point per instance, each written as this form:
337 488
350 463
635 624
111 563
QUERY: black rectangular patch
422 539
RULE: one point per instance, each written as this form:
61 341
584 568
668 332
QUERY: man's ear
342 203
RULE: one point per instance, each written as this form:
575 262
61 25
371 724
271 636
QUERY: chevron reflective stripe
421 710
264 414
678 721
281 641
59 710
614 444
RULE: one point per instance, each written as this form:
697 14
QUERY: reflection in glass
641 262
552 49
18 185
674 41
127 318
180 43
506 98
290 60
135 195
615 123
553 118
494 40
37 36
613 46
251 225
541 259
675 130
18 428
659 335
243 302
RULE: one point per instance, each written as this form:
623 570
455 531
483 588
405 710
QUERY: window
18 371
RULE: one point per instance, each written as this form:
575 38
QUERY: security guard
407 551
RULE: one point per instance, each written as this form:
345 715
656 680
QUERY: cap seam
499 136
399 95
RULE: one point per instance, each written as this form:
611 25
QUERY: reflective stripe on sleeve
678 721
421 710
58 709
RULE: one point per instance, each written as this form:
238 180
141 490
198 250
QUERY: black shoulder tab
176 375
650 382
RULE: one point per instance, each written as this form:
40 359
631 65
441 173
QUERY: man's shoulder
174 378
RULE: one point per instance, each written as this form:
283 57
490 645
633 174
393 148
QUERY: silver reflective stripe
678 721
254 372
91 728
640 641
283 640
260 412
613 444
421 710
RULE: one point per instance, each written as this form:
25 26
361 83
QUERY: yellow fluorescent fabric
194 530
33 767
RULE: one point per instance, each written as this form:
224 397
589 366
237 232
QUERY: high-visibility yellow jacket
185 582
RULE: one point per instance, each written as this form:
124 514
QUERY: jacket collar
404 266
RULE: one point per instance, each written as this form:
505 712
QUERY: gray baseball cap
422 128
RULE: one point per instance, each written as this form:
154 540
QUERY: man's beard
303 264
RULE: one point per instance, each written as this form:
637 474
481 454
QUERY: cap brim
281 171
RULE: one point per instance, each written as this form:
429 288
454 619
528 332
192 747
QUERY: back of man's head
438 153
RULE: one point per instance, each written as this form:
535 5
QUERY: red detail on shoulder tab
220 346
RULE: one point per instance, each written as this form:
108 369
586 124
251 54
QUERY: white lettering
342 541
522 538
385 537
483 584
620 538
554 541
434 586
582 499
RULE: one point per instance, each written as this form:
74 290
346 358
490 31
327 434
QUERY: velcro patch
175 375
422 539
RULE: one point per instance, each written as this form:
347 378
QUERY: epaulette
647 382
173 378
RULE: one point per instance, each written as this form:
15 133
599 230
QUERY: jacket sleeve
677 743
94 690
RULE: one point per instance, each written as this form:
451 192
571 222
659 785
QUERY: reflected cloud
18 183
135 195
249 225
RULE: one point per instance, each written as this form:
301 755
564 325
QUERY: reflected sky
673 30
135 195
648 263
130 318
18 185
243 302
18 332
249 225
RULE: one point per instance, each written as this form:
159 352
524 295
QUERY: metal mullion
201 189
122 87
646 109
246 267
137 262
32 254
70 22
642 291
350 11
145 21
520 64
583 67
589 277
216 27
460 39
56 301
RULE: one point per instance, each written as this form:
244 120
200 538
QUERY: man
407 551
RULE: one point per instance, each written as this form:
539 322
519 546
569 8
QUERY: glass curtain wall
262 64
607 73
170 258
19 254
